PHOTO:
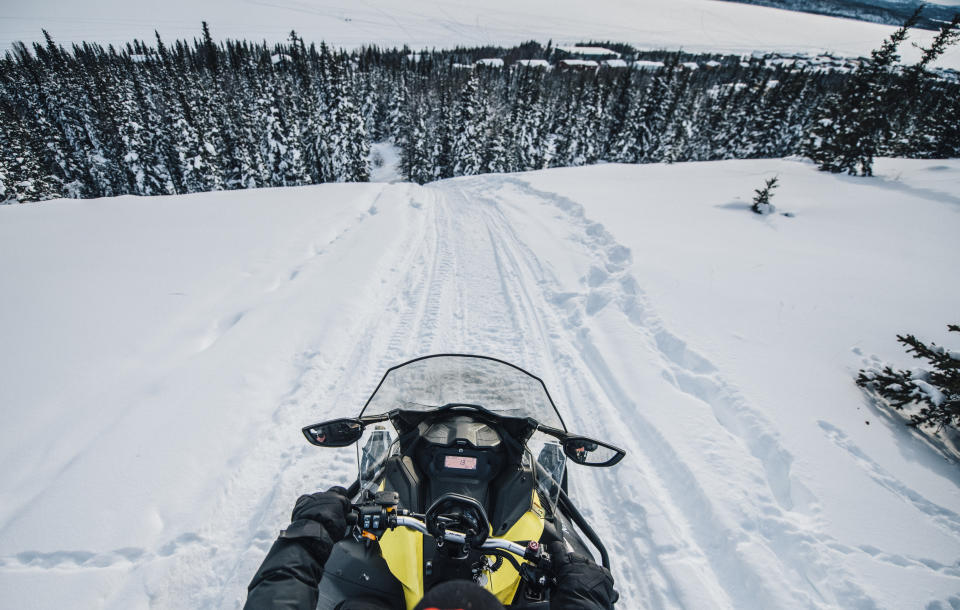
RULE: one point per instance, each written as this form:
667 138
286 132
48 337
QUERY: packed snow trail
469 283
715 505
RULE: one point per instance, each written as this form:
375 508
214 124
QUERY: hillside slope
891 12
160 356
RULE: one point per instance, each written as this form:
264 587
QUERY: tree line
198 116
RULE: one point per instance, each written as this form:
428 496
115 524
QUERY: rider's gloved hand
581 584
327 507
319 520
289 576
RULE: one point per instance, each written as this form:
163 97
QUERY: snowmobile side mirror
334 433
590 452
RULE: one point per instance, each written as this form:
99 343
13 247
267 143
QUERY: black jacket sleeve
288 577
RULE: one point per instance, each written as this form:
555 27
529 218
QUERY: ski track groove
943 517
510 256
516 272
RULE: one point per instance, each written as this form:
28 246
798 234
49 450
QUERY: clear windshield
435 381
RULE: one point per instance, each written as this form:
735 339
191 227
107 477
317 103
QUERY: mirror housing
590 452
334 433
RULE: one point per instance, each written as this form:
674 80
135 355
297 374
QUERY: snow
385 163
693 25
533 63
589 51
490 62
579 63
614 63
161 354
647 65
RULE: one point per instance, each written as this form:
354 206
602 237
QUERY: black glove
319 520
581 584
327 507
289 575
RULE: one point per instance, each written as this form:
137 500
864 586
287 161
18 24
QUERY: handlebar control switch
534 550
387 499
375 516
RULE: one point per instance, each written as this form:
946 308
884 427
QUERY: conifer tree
528 124
851 127
761 201
468 142
935 390
495 151
442 151
419 162
154 141
202 116
921 133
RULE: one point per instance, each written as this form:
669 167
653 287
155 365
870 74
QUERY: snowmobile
462 475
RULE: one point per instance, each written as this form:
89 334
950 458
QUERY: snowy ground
385 163
159 357
693 25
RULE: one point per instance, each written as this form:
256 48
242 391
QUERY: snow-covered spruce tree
527 148
635 138
678 132
443 134
134 140
566 133
468 142
621 102
784 113
25 177
420 161
761 201
495 156
157 149
927 132
660 102
593 132
851 126
346 140
935 391
243 162
281 146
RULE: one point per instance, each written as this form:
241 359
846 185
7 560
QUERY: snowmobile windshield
432 382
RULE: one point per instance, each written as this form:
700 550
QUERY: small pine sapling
761 201
936 391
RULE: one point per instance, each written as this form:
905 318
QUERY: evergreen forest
183 117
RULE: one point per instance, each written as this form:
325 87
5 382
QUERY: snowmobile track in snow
457 273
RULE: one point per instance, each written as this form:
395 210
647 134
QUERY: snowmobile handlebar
458 538
370 520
